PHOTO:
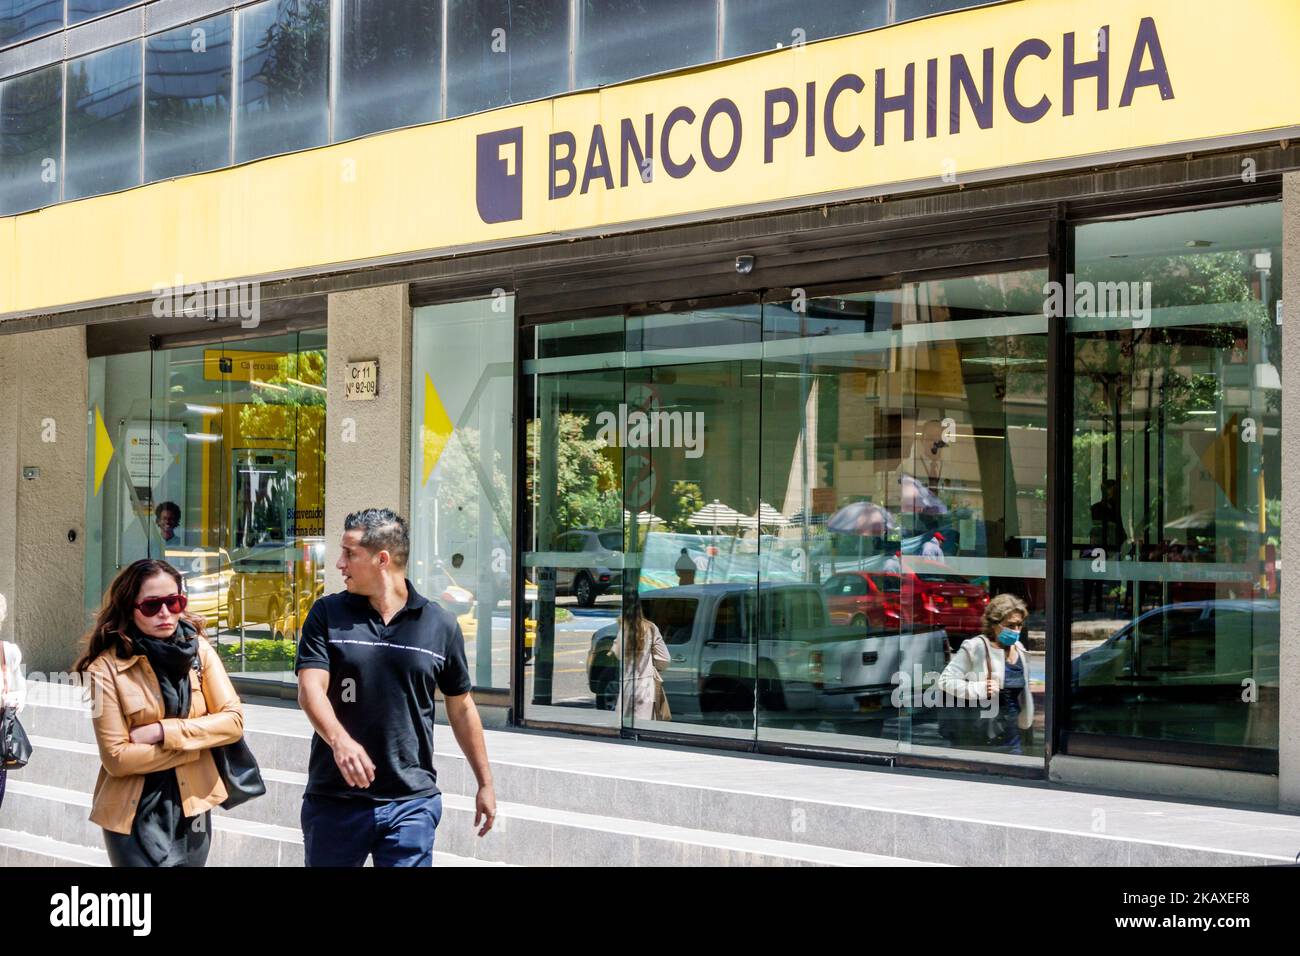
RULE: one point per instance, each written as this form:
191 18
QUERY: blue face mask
1007 637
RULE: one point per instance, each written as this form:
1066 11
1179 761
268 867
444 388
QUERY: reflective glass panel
1176 519
103 122
505 51
767 24
187 99
389 73
283 77
462 494
31 113
23 19
620 39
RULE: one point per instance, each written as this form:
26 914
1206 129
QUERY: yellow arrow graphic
436 430
103 449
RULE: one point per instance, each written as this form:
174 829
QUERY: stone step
26 849
879 814
41 819
523 835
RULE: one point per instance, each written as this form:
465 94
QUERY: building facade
812 330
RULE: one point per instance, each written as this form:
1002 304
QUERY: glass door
211 458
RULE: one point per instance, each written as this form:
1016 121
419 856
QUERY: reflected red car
886 601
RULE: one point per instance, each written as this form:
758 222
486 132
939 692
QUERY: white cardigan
966 674
15 694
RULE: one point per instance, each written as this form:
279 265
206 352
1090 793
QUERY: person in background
13 686
645 656
685 568
967 673
933 547
167 516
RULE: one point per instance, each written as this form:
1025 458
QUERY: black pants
4 775
190 848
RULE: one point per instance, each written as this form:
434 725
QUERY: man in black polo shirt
368 661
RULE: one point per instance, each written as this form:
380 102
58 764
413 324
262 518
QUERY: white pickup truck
728 641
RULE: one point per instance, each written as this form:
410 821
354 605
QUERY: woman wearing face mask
997 651
161 701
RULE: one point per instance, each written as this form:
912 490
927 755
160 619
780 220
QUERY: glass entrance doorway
812 498
212 458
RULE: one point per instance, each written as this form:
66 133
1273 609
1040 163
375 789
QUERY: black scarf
172 658
160 819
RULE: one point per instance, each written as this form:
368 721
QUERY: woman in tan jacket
161 700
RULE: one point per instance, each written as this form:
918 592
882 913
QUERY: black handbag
963 723
236 765
239 770
15 748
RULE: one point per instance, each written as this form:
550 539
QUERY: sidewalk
568 800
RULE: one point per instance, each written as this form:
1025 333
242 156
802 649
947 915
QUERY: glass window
461 486
283 78
1175 576
505 51
621 39
903 444
103 122
213 458
768 24
80 10
23 19
187 99
389 73
911 9
675 617
31 113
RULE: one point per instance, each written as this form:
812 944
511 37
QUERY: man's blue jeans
341 832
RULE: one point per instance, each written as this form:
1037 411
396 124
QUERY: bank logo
499 191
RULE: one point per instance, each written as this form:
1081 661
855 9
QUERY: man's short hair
382 529
171 506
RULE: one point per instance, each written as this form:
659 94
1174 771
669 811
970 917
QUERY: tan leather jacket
125 695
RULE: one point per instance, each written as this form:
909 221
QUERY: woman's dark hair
112 623
634 615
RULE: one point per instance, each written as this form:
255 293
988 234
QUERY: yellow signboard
930 104
240 366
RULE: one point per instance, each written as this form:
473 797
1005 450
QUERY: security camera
744 265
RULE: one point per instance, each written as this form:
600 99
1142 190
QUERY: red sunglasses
150 607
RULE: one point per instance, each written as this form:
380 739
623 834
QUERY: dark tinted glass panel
620 39
79 10
24 19
389 73
30 115
767 24
501 52
103 134
187 99
1176 510
911 9
283 78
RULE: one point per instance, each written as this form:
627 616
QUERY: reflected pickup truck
728 641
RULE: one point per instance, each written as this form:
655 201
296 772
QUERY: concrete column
1289 662
368 443
43 426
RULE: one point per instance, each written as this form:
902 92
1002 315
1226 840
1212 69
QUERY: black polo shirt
382 678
